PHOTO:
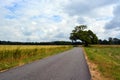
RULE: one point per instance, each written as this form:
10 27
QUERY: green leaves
86 36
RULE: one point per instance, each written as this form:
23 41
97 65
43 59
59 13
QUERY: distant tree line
110 41
38 43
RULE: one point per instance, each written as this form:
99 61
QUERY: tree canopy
86 36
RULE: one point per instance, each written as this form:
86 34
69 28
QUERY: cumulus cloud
115 22
49 20
83 7
113 26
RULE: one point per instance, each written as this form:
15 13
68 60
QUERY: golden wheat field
15 55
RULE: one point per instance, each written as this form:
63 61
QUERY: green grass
107 59
15 55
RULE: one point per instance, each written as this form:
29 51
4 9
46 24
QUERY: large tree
86 36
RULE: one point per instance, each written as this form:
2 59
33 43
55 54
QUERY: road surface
69 65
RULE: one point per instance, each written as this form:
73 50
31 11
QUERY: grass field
15 55
107 59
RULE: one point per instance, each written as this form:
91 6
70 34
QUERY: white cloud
115 22
49 20
82 7
34 23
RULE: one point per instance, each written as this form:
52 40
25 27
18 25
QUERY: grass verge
16 55
107 59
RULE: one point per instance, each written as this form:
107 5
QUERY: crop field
107 59
16 55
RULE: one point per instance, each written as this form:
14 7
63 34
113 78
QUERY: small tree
86 36
110 40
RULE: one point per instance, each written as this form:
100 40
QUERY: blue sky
51 20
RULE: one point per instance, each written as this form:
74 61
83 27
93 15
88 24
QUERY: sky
53 20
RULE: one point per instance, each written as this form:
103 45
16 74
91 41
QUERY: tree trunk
86 44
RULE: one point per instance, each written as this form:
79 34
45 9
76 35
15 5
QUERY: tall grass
107 58
11 56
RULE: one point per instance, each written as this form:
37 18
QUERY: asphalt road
69 65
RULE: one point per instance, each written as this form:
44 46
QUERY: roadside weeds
95 74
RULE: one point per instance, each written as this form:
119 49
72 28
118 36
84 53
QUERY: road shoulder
95 74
